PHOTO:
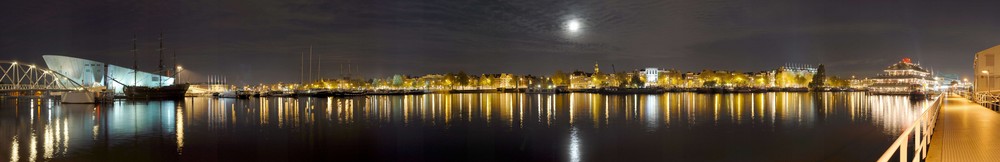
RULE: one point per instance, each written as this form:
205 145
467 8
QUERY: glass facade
91 73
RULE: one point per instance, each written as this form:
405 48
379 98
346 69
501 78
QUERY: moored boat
165 92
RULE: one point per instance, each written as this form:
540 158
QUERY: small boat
228 94
918 95
240 94
77 97
540 91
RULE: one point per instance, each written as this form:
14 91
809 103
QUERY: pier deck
965 131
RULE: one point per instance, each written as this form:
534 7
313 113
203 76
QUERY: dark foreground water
461 127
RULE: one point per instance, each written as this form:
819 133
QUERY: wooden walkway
965 131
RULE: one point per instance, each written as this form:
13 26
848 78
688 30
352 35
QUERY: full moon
573 25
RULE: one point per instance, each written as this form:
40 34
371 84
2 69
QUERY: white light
573 25
574 145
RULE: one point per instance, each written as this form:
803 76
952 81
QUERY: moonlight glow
573 25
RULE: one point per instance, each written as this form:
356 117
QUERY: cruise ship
903 78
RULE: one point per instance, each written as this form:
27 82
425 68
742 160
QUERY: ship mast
302 68
160 79
135 63
310 63
175 73
319 68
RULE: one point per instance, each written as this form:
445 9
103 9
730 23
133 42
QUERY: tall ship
164 92
903 78
164 89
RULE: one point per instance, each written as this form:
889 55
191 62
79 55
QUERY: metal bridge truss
29 78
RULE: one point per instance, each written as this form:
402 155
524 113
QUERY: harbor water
774 126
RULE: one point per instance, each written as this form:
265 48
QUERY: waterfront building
763 79
793 75
985 70
691 80
858 83
91 73
581 80
799 69
902 78
432 81
651 75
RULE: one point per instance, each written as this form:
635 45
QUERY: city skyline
262 42
500 80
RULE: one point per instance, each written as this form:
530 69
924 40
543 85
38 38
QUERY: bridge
19 79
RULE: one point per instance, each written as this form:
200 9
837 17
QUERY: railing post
902 148
916 140
927 134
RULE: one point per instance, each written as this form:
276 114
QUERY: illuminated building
985 68
582 80
91 73
651 75
902 78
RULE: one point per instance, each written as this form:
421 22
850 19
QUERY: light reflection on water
504 126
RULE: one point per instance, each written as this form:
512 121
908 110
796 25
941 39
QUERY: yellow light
986 72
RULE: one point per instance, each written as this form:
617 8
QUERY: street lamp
179 70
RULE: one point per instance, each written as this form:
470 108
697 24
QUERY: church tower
596 68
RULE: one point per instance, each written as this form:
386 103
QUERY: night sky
261 41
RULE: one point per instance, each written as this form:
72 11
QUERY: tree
837 82
784 78
708 75
485 80
663 79
560 78
636 81
462 79
598 80
819 79
619 79
740 79
397 81
674 78
449 81
801 80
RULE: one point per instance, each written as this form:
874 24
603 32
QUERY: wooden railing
921 130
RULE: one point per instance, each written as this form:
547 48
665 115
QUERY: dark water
461 127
